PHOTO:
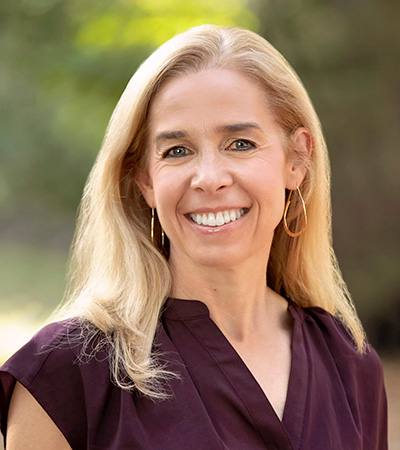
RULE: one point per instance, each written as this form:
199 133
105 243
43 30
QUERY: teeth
211 220
219 219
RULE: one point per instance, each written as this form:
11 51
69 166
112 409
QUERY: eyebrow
243 126
165 135
235 127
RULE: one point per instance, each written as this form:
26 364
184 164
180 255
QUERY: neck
238 298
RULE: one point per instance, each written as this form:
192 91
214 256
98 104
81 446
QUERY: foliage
65 63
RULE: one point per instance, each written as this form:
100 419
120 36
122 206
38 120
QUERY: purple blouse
335 400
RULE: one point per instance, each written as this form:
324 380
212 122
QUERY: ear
302 144
145 184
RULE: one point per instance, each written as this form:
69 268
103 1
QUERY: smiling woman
204 280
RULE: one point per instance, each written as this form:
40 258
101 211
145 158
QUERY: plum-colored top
335 400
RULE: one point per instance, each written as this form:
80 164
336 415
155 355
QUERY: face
217 171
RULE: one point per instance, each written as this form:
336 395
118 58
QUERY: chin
219 259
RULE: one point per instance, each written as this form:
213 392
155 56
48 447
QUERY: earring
285 225
152 227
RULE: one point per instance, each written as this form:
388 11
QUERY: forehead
214 94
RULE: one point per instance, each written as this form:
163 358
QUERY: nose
211 173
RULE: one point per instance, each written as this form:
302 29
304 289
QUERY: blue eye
241 145
176 152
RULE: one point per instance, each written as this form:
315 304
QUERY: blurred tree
347 54
64 65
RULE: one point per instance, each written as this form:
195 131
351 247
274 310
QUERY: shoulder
58 367
61 344
332 351
358 375
326 334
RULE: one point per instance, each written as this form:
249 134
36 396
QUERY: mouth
217 219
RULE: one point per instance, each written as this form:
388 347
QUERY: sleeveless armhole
48 367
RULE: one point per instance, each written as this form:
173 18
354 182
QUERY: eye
241 145
176 152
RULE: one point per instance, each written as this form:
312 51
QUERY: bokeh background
63 66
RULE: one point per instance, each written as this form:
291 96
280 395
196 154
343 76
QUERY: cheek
270 185
269 175
168 192
159 181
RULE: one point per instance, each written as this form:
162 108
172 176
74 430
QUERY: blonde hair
120 281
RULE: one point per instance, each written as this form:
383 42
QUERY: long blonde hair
119 280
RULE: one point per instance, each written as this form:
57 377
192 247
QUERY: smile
218 219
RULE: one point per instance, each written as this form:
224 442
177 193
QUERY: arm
29 426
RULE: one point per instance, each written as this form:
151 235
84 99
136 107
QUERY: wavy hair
120 280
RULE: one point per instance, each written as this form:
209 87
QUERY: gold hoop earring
285 225
152 228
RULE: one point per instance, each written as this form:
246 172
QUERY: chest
221 406
269 362
218 402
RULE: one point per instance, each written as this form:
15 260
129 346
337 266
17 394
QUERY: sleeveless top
335 400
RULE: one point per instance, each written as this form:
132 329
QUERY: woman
207 308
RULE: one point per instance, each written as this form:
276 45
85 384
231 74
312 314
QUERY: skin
228 155
214 145
29 427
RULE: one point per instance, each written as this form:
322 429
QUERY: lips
218 219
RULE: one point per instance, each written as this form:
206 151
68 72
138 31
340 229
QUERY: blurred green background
64 65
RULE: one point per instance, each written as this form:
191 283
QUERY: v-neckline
196 316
